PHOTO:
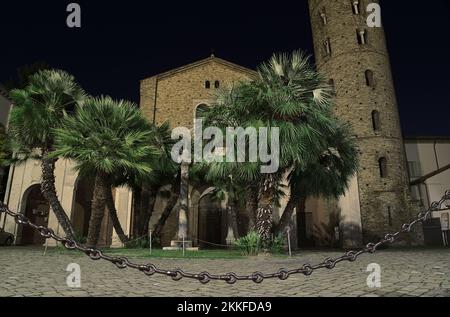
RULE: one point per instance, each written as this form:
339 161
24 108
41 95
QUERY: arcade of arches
37 210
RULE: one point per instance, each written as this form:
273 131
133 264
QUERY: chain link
230 278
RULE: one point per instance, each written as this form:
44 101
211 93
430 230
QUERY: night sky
121 42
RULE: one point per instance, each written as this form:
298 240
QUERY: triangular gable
206 61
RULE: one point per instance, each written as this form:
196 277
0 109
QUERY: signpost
445 228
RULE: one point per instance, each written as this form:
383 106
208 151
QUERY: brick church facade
355 60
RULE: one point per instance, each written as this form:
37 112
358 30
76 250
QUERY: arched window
217 84
323 16
382 162
390 216
369 78
327 47
376 120
200 110
361 36
332 86
207 84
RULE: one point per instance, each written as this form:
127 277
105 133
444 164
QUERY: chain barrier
117 239
228 246
230 278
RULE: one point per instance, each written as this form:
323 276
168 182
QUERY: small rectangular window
332 86
368 74
390 216
327 47
361 36
323 16
382 162
355 6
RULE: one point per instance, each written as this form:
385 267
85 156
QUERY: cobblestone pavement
27 272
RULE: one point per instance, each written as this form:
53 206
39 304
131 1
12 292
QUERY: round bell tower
354 57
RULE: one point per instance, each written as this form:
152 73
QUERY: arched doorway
81 213
211 223
36 209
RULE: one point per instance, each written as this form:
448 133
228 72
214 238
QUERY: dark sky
121 42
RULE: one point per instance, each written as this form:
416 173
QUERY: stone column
182 230
350 217
182 214
226 205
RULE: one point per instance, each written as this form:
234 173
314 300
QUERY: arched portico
81 211
36 208
207 218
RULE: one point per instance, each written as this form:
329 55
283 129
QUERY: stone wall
180 91
176 95
383 200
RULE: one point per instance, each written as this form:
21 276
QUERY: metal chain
230 278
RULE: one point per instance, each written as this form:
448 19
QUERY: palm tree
49 97
164 173
327 177
245 176
23 74
5 160
171 203
291 96
106 138
5 151
226 189
251 205
147 187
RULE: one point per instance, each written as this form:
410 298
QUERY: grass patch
159 253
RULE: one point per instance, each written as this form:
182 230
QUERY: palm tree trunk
171 202
301 222
264 218
148 200
286 218
251 206
114 218
101 188
232 217
264 214
136 212
48 190
295 200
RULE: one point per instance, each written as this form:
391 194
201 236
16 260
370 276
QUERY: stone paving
27 272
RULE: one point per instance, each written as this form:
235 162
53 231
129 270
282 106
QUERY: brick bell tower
355 59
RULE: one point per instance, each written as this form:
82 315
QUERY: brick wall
383 200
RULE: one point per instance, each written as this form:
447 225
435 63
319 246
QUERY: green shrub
142 243
250 244
79 238
278 244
